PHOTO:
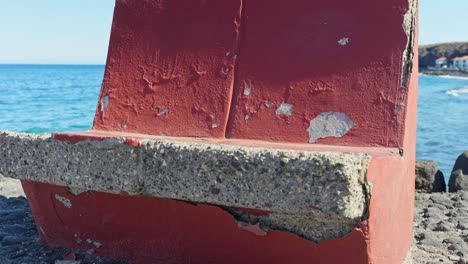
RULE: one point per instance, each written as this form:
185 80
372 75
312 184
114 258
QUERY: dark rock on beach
429 178
459 177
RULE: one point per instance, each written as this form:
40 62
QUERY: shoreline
441 73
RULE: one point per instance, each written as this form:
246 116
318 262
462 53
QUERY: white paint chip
329 124
215 125
104 102
285 109
163 111
247 90
343 41
65 201
97 244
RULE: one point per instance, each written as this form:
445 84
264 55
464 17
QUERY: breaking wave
457 92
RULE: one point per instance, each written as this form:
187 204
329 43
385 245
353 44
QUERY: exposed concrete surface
10 187
329 124
316 195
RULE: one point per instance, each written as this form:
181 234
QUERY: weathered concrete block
316 195
238 78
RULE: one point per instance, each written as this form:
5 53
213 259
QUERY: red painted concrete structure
221 70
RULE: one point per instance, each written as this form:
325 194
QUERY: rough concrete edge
116 143
363 159
409 26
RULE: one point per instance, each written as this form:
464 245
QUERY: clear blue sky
55 31
77 31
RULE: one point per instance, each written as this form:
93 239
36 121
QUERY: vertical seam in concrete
233 102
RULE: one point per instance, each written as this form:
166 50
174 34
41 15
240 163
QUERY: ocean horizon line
52 64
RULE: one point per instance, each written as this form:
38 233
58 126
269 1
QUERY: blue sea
47 98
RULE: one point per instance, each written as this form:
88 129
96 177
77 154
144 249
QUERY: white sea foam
457 92
453 77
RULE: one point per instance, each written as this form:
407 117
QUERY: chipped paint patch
215 125
247 90
65 201
163 111
343 41
104 103
285 109
269 105
95 243
329 124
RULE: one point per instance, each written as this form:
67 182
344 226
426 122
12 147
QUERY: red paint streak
74 138
152 230
134 142
314 207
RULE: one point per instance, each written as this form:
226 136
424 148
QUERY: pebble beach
440 231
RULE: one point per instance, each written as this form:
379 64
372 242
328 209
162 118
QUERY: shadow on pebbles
441 228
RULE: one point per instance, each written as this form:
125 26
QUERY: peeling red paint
170 55
291 54
178 70
134 142
74 138
152 230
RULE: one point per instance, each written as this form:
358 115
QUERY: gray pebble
464 195
15 229
462 225
27 260
17 203
6 250
13 240
67 262
443 226
439 206
433 212
430 240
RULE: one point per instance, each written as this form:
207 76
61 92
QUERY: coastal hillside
429 53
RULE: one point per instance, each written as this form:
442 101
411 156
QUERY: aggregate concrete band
315 195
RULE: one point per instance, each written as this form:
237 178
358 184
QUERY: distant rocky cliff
429 53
